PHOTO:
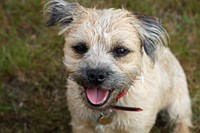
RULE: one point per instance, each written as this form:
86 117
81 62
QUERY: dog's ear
60 12
153 36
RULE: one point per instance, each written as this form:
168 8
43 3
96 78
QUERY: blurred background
32 75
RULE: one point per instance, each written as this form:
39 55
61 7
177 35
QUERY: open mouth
97 96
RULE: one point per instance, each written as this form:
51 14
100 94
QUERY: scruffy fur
152 75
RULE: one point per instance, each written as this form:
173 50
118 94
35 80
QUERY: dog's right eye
80 48
120 51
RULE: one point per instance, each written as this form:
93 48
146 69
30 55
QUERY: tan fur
153 86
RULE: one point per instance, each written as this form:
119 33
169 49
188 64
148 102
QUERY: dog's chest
108 123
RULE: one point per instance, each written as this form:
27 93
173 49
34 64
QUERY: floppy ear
60 12
153 36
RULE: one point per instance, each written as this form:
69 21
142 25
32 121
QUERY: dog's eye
80 48
120 51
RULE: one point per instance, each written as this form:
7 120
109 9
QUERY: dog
121 73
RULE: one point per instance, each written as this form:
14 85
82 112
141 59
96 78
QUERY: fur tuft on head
60 12
153 36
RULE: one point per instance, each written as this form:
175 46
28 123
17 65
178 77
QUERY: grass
32 75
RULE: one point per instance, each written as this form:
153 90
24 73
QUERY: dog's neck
106 116
124 108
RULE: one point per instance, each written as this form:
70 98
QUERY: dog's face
104 49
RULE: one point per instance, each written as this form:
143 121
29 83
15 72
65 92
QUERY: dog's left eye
81 48
120 51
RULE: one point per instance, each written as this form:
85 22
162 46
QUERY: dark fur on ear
59 12
152 35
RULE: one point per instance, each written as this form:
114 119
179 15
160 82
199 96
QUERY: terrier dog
118 62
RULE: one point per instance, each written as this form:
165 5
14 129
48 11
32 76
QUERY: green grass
32 75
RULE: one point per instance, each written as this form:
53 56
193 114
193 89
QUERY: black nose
96 76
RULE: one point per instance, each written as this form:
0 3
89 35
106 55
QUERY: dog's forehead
107 27
109 18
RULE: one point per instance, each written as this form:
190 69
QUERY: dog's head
104 49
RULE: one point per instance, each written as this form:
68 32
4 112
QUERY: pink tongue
97 96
